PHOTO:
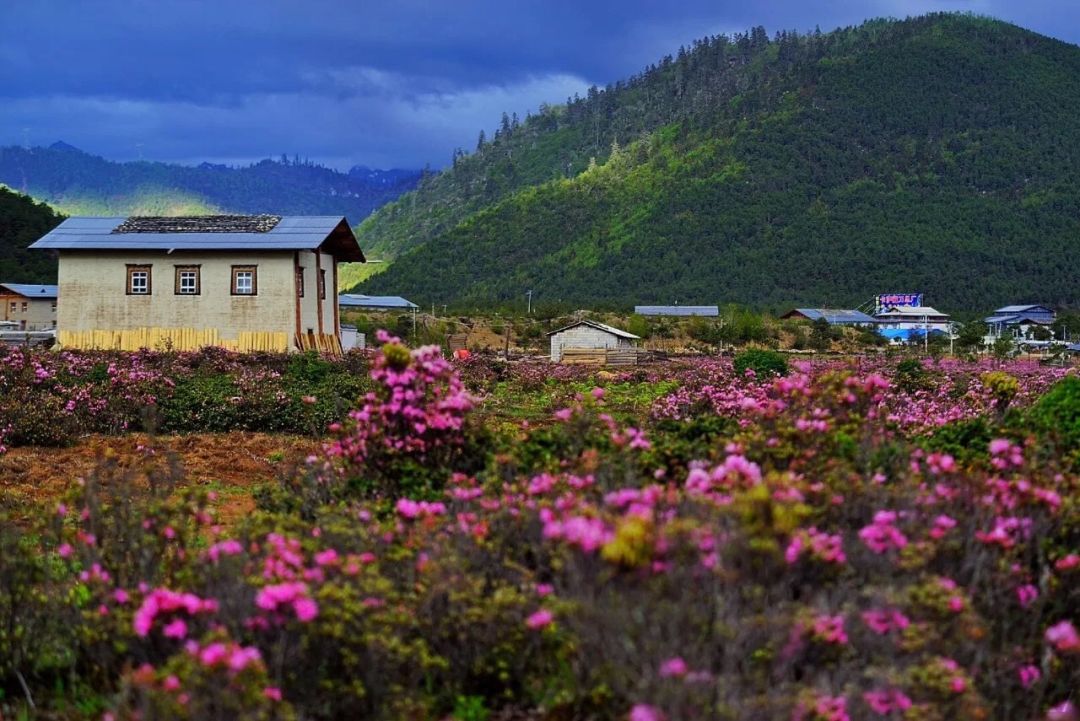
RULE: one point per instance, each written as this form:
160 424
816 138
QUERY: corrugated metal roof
1018 318
834 316
357 300
678 310
599 326
292 232
31 291
1019 309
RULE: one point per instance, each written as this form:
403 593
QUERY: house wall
584 336
40 313
309 304
93 295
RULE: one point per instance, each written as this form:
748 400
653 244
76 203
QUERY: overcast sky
398 83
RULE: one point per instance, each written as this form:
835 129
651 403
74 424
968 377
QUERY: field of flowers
870 539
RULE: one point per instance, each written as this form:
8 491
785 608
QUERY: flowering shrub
818 560
52 398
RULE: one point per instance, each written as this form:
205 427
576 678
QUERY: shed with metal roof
588 335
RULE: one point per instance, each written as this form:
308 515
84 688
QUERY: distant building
375 302
1018 321
28 307
902 324
243 282
832 316
708 311
588 335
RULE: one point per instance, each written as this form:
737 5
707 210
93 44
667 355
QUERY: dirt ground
231 464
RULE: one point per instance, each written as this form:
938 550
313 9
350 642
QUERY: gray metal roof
356 300
1019 309
599 326
292 232
677 310
834 316
911 311
31 291
1019 318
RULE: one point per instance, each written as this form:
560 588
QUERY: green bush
764 363
1056 416
911 376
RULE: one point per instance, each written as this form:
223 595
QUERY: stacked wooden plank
621 357
601 356
322 342
457 341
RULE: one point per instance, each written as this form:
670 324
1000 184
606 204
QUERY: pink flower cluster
882 535
290 594
164 601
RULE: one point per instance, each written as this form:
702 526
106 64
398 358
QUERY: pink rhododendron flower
175 629
1029 674
1063 637
1064 711
644 712
673 667
881 535
540 619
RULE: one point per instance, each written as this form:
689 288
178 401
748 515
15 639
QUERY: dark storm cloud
398 83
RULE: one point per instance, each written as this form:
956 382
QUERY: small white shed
588 335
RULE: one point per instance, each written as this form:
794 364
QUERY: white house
906 322
244 282
588 335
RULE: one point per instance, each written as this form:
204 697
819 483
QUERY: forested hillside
84 184
22 221
939 154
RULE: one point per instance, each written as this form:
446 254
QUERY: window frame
299 281
322 284
132 269
177 283
234 288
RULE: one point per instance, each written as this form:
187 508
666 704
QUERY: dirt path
231 464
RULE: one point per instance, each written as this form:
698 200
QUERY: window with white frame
138 280
187 280
245 280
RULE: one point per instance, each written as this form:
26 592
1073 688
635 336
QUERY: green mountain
84 184
22 221
938 154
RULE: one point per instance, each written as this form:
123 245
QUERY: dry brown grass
232 464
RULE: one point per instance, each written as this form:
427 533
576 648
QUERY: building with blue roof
244 282
1018 321
24 306
832 316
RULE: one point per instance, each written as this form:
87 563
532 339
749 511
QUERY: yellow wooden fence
171 339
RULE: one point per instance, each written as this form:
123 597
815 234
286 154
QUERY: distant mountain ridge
77 182
938 154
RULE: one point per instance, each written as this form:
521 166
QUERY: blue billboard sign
902 300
